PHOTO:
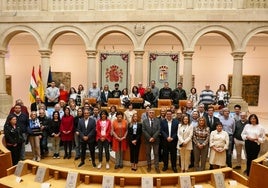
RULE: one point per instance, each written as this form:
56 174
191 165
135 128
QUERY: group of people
150 94
193 131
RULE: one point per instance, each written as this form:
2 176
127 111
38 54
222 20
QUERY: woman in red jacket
119 131
103 137
66 132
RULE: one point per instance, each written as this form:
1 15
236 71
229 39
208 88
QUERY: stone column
138 66
5 99
187 70
45 64
91 67
236 97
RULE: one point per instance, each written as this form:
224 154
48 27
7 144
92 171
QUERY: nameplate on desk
147 182
217 180
45 185
185 181
73 180
42 174
21 169
108 182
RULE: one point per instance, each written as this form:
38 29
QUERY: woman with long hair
222 96
13 138
103 137
66 130
54 133
201 139
185 134
134 140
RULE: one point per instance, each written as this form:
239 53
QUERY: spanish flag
32 90
40 85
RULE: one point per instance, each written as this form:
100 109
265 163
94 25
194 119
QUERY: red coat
67 124
108 130
120 131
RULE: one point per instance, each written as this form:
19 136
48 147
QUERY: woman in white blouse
254 135
219 141
185 134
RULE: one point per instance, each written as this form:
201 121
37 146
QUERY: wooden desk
130 180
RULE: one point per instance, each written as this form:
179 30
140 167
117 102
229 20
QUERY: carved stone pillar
5 99
138 66
187 70
45 64
91 67
237 77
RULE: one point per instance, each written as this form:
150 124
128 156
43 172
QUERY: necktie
210 120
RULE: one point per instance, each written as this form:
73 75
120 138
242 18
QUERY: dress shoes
116 166
237 167
164 168
175 170
81 164
94 164
76 158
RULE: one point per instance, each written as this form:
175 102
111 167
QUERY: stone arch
251 33
168 29
225 32
7 35
55 33
110 29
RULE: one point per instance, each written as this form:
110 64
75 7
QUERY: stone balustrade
111 5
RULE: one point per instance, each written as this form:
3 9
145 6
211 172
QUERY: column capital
238 55
188 54
91 53
138 53
45 53
3 53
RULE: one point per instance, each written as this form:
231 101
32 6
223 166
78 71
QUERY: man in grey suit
151 130
87 133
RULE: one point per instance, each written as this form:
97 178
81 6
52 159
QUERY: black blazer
150 132
90 131
136 136
104 100
174 130
213 126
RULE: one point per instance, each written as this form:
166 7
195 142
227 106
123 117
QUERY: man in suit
35 106
151 130
169 129
211 119
87 133
105 94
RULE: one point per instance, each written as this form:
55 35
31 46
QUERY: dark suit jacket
213 126
90 131
104 100
174 130
136 136
150 132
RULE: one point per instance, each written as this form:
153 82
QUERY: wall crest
139 29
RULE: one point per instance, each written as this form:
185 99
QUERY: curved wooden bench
58 175
5 157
